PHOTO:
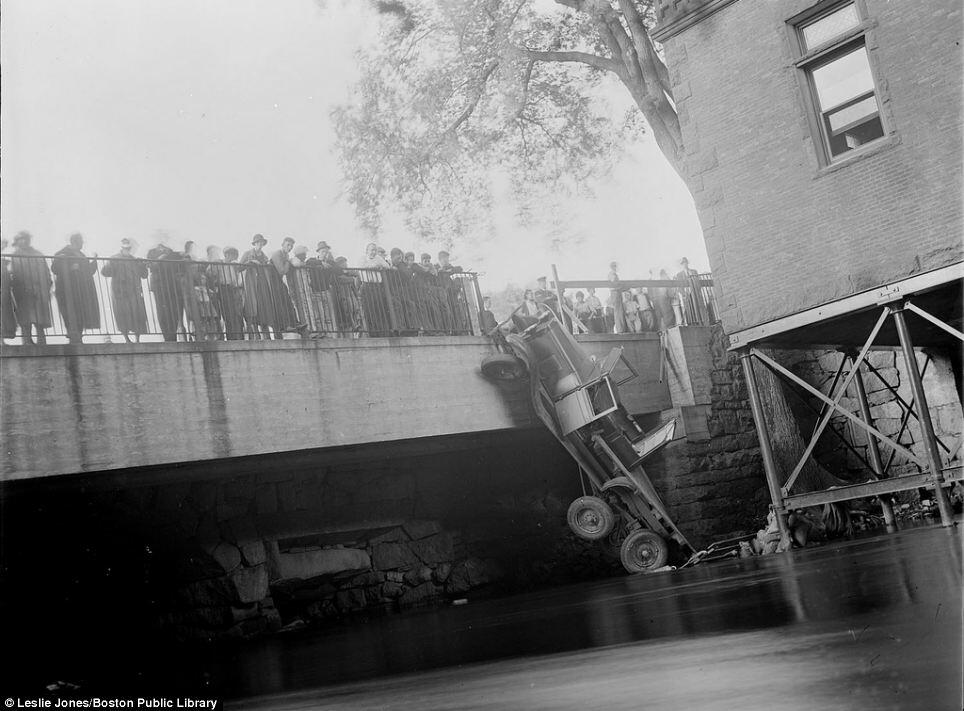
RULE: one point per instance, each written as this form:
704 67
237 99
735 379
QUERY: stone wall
819 367
713 480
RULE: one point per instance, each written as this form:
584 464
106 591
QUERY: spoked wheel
502 366
590 518
643 552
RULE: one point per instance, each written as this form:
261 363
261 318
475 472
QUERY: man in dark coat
166 272
30 285
76 293
126 274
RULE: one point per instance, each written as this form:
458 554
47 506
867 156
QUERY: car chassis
577 398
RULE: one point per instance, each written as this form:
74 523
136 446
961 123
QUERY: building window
839 79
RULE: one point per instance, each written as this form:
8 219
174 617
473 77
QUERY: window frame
806 60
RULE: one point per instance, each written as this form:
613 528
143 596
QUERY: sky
208 120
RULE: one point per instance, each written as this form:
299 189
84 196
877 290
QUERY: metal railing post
924 415
876 463
766 449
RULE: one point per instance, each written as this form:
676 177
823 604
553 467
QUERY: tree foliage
465 103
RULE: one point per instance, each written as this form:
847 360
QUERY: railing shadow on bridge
65 299
636 305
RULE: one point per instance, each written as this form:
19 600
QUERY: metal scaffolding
893 319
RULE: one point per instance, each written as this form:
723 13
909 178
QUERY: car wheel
503 367
643 552
590 518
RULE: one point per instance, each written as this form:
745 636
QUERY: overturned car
577 397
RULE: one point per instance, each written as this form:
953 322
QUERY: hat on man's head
322 245
541 279
125 242
259 239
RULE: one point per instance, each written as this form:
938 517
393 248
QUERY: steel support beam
934 320
865 490
886 507
776 367
835 403
924 415
766 449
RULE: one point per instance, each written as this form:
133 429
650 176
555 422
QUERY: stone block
887 410
392 590
829 360
470 573
948 420
435 549
882 359
441 573
253 553
371 577
417 576
389 556
327 561
879 398
421 594
226 554
421 529
250 584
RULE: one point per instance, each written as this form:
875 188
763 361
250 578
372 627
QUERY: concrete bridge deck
89 408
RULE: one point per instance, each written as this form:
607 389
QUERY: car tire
643 552
502 366
590 518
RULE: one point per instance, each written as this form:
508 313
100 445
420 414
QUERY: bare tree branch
593 60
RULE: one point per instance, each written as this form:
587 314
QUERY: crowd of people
628 309
227 295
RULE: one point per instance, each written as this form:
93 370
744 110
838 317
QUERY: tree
463 94
467 101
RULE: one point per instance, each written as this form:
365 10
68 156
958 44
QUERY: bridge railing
65 299
690 301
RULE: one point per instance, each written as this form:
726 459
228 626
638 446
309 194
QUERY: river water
873 623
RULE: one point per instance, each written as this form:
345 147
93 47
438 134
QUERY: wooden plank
849 304
629 283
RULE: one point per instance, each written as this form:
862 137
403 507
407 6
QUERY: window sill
872 149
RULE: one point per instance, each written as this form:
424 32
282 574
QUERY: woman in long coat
31 283
127 274
76 293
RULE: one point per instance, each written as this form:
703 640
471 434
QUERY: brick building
823 145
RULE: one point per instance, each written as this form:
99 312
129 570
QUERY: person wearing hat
258 311
279 279
127 275
325 258
76 293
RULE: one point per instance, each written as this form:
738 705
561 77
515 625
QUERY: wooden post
766 449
